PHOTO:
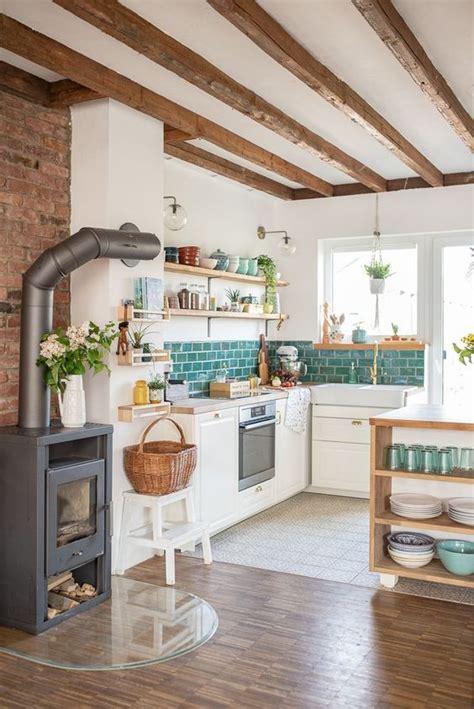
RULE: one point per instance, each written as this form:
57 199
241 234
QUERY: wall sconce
175 216
285 245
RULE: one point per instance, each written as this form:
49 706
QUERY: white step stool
162 536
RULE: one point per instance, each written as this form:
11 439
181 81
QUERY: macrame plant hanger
376 258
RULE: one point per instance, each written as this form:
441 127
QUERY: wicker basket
160 467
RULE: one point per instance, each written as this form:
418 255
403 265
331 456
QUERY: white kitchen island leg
388 580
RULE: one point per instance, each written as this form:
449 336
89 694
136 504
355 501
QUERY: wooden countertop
427 416
202 406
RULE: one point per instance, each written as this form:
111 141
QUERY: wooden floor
284 641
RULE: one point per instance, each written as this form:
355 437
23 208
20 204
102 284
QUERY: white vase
377 286
72 404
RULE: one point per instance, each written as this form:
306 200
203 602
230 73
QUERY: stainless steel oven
256 444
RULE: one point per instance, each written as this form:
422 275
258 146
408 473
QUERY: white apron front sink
379 395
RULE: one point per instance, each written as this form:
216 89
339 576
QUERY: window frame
423 244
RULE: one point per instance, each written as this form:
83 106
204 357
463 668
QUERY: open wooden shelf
434 571
131 314
211 273
459 476
440 524
383 345
134 359
226 314
132 412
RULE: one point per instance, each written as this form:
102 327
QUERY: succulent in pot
378 272
234 298
156 384
137 333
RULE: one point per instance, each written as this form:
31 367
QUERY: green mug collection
428 459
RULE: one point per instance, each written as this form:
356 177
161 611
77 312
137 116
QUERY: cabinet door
341 466
218 467
291 456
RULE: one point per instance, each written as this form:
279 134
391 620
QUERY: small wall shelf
132 412
131 314
227 314
458 476
383 345
211 273
135 359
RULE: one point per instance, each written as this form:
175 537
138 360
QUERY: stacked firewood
65 593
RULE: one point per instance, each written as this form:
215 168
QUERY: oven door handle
252 426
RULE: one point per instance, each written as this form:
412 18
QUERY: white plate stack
461 509
415 506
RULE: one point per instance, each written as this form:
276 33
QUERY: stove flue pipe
37 302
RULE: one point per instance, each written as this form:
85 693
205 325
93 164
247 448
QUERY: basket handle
153 423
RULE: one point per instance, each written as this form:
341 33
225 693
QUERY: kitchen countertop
202 406
427 416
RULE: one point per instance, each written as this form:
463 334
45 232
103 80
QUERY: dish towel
298 401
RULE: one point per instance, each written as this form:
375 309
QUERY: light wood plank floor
284 641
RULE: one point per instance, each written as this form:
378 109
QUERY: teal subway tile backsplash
198 362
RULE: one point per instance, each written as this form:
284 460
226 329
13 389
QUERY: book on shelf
148 293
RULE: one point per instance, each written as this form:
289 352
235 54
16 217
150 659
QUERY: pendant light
285 245
175 216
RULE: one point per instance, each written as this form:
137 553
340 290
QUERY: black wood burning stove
55 482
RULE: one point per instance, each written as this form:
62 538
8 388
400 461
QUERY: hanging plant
377 270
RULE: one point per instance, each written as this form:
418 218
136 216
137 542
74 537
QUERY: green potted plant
156 384
137 333
267 268
233 297
378 272
395 329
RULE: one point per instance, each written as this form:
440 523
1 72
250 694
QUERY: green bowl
457 556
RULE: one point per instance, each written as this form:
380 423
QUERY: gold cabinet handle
259 488
356 422
217 415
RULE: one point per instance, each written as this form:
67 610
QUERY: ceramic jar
377 286
222 260
234 262
155 396
171 254
140 392
72 403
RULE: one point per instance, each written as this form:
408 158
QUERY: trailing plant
268 267
64 353
378 269
466 350
232 295
137 333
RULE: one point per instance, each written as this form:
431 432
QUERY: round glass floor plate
141 624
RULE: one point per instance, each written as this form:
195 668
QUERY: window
347 286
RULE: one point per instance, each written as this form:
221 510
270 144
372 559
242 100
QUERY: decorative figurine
122 342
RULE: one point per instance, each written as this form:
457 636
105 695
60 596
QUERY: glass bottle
184 297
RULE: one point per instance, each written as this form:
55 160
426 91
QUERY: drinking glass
434 450
465 459
412 461
402 451
444 461
427 462
393 458
454 455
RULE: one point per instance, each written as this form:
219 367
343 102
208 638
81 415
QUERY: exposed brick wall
35 144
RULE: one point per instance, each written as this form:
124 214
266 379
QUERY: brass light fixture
175 216
285 245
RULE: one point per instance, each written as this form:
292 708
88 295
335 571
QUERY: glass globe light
286 247
175 216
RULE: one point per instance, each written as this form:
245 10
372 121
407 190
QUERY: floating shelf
132 412
134 359
131 314
393 345
226 314
441 524
460 476
434 571
211 273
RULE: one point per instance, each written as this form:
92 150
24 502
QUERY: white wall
117 177
221 214
426 211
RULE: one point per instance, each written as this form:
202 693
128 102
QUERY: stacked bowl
189 255
233 265
411 549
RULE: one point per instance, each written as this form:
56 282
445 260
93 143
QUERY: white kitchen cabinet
292 455
256 498
218 474
340 449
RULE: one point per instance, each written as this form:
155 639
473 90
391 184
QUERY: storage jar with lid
222 260
140 392
184 297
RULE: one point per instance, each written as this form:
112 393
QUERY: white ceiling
337 35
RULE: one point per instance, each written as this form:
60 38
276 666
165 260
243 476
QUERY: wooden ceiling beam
53 55
400 184
67 93
172 135
21 83
134 31
220 166
398 37
274 40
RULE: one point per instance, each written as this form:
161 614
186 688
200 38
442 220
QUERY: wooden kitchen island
426 425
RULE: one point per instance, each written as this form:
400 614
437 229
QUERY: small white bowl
411 563
210 263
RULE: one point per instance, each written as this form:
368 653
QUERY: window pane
351 292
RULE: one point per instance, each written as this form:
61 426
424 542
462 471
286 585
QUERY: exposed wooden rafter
398 37
49 53
172 135
134 31
23 84
221 166
272 38
67 93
